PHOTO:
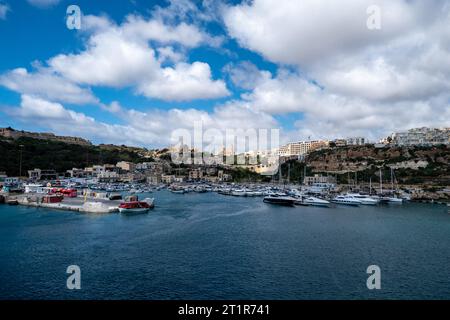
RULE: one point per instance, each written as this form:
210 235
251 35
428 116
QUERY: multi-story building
95 170
421 136
108 176
38 174
301 148
154 179
196 174
126 166
165 178
77 173
309 181
340 142
356 141
11 180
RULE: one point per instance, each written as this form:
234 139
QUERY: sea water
209 246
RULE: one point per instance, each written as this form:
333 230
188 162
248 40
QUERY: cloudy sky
139 69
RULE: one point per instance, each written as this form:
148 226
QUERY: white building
301 148
126 166
312 180
11 180
421 136
356 141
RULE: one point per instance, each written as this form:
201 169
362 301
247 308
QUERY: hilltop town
10 133
418 157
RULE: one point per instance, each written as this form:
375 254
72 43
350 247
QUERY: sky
136 71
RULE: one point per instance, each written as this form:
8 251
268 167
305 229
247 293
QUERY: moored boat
239 193
346 201
393 200
282 201
365 200
134 207
316 202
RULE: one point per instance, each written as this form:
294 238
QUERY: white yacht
393 200
254 193
346 201
239 193
313 201
365 200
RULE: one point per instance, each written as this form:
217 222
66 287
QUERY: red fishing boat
134 207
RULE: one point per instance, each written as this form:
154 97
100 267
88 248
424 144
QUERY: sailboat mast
381 183
280 175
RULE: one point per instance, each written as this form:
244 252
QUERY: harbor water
210 246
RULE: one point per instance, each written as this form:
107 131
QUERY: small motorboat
134 207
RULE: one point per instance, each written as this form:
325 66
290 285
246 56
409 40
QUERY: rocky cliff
411 164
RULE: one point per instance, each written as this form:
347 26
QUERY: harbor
211 246
108 198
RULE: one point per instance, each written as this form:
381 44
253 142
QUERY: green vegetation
294 171
45 154
243 175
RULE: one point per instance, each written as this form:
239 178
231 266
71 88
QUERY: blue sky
138 70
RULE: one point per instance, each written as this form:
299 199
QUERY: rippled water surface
208 246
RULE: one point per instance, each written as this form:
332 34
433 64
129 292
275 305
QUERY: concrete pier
78 204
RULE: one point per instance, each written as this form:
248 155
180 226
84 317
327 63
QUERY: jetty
77 204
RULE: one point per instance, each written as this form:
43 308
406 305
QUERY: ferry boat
134 207
282 201
344 200
313 201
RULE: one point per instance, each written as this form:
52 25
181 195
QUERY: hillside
412 165
60 156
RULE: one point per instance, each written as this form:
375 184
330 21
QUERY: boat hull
346 203
315 204
280 201
134 211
